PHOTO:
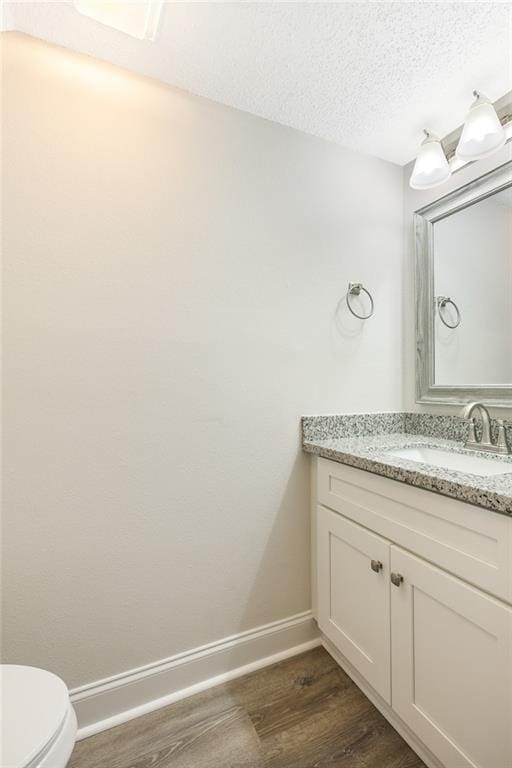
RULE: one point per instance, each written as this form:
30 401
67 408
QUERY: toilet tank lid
34 706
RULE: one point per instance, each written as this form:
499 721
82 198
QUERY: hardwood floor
302 713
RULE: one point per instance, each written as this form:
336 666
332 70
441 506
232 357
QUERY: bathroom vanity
412 512
412 579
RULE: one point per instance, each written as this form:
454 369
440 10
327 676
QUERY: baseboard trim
117 699
398 724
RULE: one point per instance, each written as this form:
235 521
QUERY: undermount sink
461 462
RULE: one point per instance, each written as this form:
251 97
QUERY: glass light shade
431 167
482 133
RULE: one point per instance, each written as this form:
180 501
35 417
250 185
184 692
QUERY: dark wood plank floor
302 713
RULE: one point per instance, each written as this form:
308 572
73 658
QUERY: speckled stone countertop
363 441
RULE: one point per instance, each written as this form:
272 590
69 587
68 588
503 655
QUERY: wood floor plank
169 733
229 740
318 716
304 712
325 691
301 679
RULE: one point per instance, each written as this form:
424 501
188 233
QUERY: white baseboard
117 699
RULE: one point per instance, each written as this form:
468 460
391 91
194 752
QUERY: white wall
473 266
172 273
413 201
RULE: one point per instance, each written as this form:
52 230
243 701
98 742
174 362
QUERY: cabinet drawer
470 542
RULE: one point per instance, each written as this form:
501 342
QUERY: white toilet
38 720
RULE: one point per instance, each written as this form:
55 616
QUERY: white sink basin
461 462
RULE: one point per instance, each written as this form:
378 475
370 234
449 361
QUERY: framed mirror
464 294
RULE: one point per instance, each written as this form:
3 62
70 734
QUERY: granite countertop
363 441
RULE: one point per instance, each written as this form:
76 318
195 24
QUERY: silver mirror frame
424 219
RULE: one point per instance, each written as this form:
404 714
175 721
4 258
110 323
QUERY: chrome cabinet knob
396 579
376 565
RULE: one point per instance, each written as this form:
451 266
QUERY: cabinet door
452 665
353 596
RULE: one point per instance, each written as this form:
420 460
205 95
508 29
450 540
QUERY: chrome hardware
354 289
442 302
485 443
376 565
501 443
396 579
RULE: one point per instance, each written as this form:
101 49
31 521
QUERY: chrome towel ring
354 289
442 302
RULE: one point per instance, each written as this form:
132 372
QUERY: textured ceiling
368 75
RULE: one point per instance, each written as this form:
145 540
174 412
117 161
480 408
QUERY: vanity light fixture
482 133
139 19
431 167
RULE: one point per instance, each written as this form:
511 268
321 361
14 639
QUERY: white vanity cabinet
413 597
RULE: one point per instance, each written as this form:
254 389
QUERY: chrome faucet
485 443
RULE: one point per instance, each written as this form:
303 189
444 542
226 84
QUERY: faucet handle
502 444
472 434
